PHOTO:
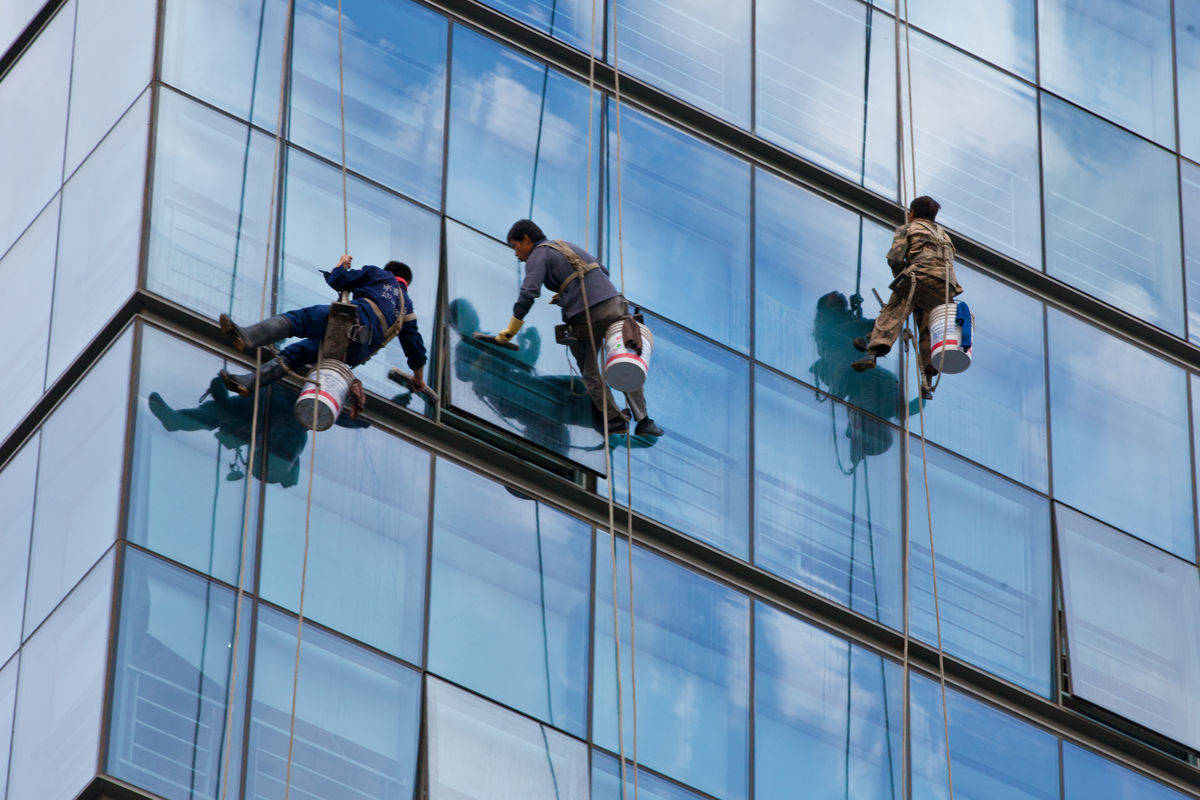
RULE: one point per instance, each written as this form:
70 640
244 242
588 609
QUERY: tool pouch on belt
901 282
631 334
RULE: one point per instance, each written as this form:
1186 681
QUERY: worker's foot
860 343
648 427
269 331
865 363
618 425
171 419
245 385
926 392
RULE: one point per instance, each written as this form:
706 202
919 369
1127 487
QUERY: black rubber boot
648 427
269 331
244 385
860 343
172 419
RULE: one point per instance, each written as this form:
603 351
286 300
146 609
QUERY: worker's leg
890 322
301 355
589 368
200 418
309 323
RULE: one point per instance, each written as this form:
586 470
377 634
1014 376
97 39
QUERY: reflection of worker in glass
232 417
574 274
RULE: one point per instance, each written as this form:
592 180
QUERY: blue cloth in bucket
962 316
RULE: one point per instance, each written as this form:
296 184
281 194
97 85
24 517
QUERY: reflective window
686 221
1006 386
1001 32
1187 51
60 696
993 756
1120 452
606 782
827 497
976 132
99 238
114 48
828 715
519 143
480 751
8 701
394 61
25 315
1189 175
697 50
1087 776
75 517
1132 637
992 540
228 52
693 670
210 204
171 733
569 20
534 392
695 478
187 495
367 538
17 483
1114 57
356 717
826 86
509 602
33 95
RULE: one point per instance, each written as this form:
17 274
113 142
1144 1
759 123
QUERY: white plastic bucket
945 340
332 384
625 370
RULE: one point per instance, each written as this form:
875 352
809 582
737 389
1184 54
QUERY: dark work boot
648 427
865 363
860 343
172 419
244 385
269 331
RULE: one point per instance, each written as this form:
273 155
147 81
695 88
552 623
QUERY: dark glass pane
509 602
1112 214
1088 776
606 782
170 730
367 537
356 717
17 483
1190 176
569 20
827 497
1132 647
519 143
992 540
685 220
1001 32
693 670
828 715
394 63
826 86
696 477
1187 52
1120 448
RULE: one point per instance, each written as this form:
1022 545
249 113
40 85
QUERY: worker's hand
418 380
505 336
344 261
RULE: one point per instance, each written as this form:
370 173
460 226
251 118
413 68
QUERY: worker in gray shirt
584 292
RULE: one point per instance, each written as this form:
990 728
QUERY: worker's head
923 207
523 236
400 270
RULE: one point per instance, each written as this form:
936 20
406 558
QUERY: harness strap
580 268
389 331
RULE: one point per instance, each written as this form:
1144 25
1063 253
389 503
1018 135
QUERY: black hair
924 207
525 227
400 270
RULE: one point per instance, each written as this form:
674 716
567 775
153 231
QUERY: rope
342 111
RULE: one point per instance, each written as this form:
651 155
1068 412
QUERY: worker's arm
531 288
341 278
897 254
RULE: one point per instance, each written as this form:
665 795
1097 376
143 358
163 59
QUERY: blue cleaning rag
962 316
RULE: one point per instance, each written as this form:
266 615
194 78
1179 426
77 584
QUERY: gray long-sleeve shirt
548 267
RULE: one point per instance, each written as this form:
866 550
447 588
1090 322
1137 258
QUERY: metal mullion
110 661
591 644
752 701
752 376
426 611
1190 378
441 344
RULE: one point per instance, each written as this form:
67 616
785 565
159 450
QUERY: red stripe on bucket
945 342
330 398
618 357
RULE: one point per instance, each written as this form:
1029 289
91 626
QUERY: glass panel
525 392
367 539
697 50
695 478
8 701
187 497
809 256
693 670
1087 776
228 52
1132 635
1007 387
519 143
826 86
993 756
14 16
99 238
977 148
25 315
1001 32
686 220
569 20
17 483
1187 49
993 558
1120 452
211 201
33 95
1114 57
75 516
606 782
114 51
395 89
383 227
479 751
171 731
60 696
1190 176
509 602
1112 214
356 717
828 715
827 497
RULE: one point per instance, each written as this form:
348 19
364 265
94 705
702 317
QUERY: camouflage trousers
922 296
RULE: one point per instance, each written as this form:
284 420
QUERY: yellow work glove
505 336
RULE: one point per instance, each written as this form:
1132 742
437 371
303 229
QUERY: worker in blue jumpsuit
381 296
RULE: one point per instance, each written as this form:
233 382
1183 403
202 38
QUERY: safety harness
577 264
389 331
